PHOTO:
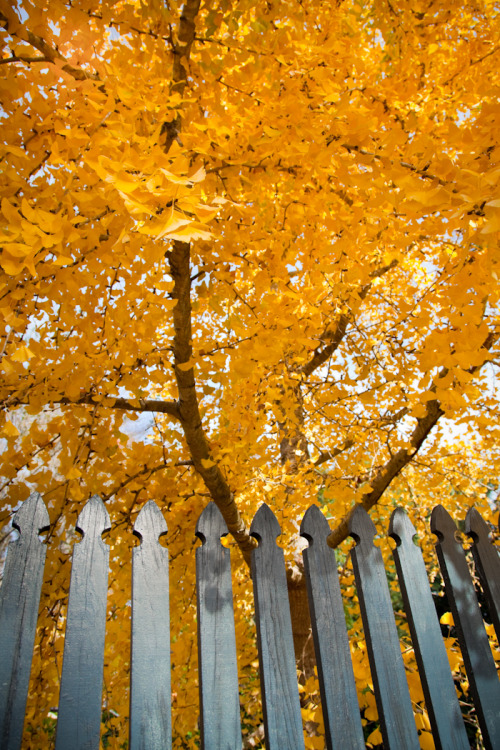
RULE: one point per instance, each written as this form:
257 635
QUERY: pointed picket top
442 524
211 525
150 524
401 528
314 525
361 526
32 517
476 527
265 526
94 520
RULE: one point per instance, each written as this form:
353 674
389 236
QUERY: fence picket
218 671
440 696
487 561
150 697
278 676
79 721
476 651
391 689
80 702
343 729
19 599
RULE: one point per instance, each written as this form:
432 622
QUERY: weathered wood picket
79 714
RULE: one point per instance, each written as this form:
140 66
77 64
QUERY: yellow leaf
207 463
375 738
178 179
10 267
190 232
17 249
16 151
46 220
28 212
7 367
73 473
371 713
198 176
422 721
492 223
125 186
23 354
161 228
206 213
447 619
426 741
98 169
10 430
11 214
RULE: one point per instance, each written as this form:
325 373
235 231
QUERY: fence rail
79 713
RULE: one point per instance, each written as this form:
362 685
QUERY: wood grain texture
391 689
343 729
487 561
19 600
80 702
150 696
278 676
448 728
478 659
218 671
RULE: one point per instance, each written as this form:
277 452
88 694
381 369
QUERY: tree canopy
271 226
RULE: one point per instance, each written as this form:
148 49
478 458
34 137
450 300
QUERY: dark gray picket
343 729
19 600
81 686
150 697
476 650
218 671
80 702
487 561
278 676
440 695
391 689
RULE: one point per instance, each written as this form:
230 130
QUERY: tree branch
182 51
145 405
328 455
185 39
179 261
392 468
336 334
199 447
50 54
108 402
403 457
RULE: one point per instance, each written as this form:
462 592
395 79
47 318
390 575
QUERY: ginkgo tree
273 226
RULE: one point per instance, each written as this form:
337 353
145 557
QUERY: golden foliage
335 169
